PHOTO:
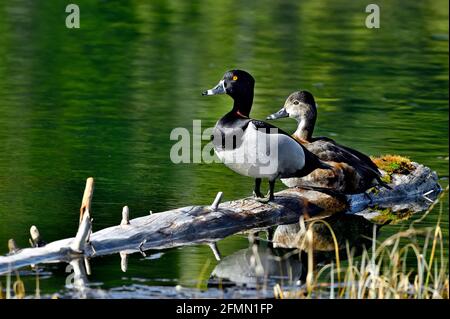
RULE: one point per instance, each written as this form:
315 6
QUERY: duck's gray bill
281 113
218 89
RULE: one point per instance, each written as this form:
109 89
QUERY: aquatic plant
383 271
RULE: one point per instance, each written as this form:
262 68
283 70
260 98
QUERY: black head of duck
239 85
264 150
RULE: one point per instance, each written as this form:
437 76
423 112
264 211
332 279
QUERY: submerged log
207 224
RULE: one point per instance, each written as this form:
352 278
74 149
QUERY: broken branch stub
215 204
82 236
125 216
87 197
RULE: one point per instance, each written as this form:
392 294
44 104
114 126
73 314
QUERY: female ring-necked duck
352 172
255 148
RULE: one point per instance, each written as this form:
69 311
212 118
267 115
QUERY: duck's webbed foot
257 195
257 190
271 190
263 200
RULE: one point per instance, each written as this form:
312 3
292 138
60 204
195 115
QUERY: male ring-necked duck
352 172
255 148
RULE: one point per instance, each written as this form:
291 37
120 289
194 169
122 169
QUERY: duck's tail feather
324 165
383 183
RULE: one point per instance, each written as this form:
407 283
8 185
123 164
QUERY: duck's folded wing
349 152
328 151
363 157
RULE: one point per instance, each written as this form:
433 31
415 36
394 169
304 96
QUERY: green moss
386 178
388 216
394 164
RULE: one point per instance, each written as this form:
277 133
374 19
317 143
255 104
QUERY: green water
102 100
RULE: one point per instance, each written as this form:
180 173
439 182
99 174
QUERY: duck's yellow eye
235 77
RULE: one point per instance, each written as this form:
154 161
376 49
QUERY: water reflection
285 258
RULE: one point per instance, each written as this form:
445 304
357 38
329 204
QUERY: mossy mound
394 164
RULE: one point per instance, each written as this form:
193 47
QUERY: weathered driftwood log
207 224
